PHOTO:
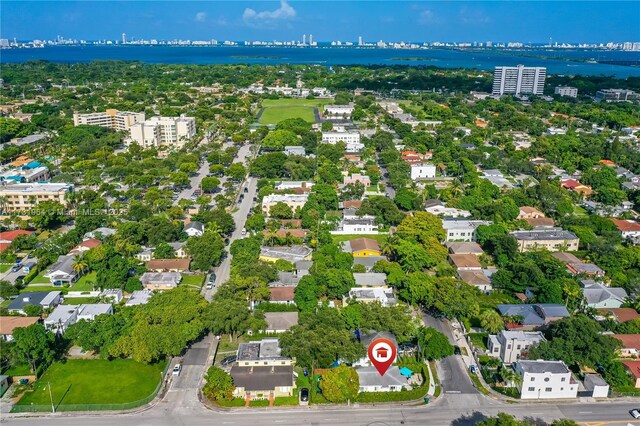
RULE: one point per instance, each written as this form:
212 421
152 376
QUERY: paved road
188 413
451 370
194 182
388 191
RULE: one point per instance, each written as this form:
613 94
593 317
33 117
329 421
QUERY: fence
94 407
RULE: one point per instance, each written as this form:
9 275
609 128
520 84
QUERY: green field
276 110
40 279
85 283
95 381
4 267
192 280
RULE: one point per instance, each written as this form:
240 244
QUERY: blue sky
327 20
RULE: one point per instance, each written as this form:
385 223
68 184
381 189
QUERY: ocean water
570 62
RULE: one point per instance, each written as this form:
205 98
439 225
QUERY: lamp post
53 408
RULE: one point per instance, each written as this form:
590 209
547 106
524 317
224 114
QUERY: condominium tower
111 118
156 131
519 80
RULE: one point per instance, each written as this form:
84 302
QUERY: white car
244 231
176 369
635 413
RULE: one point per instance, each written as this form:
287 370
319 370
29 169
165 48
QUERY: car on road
635 413
246 189
304 394
456 350
229 360
209 286
177 369
244 231
16 267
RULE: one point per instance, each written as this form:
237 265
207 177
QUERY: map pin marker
382 353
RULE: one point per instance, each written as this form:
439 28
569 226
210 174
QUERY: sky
446 21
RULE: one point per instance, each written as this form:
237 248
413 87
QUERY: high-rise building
304 39
156 131
310 39
124 38
519 80
489 44
111 118
359 40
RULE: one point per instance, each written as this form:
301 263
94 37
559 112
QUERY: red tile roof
12 235
360 244
281 294
628 340
626 225
620 314
8 324
633 367
168 264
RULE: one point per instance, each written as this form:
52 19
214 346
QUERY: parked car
244 231
177 369
16 267
456 350
635 413
209 286
304 394
229 360
246 190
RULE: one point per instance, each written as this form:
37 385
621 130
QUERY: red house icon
382 352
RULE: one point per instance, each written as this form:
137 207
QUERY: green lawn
40 279
4 267
479 339
85 283
95 381
79 300
380 238
276 110
44 288
192 280
579 211
18 370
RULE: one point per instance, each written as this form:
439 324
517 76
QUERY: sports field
94 381
276 110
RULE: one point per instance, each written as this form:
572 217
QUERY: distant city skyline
527 22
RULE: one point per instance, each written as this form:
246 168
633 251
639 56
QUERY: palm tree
388 247
491 321
80 265
510 376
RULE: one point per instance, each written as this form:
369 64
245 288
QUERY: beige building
554 239
157 131
111 118
24 196
294 201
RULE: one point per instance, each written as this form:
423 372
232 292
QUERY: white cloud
468 16
201 16
268 18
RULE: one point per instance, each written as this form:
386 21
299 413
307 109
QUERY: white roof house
139 297
462 230
599 296
372 381
384 295
194 229
510 346
545 380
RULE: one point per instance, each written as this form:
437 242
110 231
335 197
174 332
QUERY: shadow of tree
469 420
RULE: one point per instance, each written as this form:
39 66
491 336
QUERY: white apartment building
339 111
111 118
519 79
569 91
25 196
509 346
295 201
545 380
423 171
346 137
157 131
462 230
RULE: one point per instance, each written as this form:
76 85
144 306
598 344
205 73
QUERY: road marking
279 421
452 392
585 412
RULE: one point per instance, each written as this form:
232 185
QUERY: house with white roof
510 346
599 296
545 380
372 381
194 229
462 230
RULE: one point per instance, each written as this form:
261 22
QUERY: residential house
619 315
160 280
366 337
585 191
357 178
279 322
62 271
510 346
423 171
497 178
555 239
7 237
374 294
372 381
100 233
582 268
630 345
65 315
351 223
282 294
545 380
194 229
295 150
9 323
465 248
527 212
85 246
629 229
350 204
465 262
599 296
345 136
291 254
179 249
634 369
370 279
438 208
46 299
145 254
462 230
477 278
362 247
293 184
596 385
368 262
294 201
533 316
139 297
115 294
168 265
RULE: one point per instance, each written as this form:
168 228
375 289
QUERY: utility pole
53 408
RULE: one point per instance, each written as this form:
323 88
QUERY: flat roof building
158 131
519 80
111 118
25 196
